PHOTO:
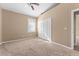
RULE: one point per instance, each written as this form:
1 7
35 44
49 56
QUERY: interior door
45 29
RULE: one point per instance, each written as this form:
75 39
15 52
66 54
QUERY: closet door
45 29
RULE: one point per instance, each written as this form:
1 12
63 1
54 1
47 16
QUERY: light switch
65 28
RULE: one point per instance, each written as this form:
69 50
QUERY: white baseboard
62 45
59 44
13 40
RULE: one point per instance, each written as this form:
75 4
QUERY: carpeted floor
34 47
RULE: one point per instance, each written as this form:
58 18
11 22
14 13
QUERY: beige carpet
34 47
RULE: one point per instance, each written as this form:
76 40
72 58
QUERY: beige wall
61 22
0 26
14 26
77 26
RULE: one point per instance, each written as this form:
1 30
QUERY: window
31 25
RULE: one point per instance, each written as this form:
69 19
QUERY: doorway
75 29
44 29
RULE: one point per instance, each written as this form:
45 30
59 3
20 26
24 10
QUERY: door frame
73 28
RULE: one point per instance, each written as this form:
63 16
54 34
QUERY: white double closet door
45 29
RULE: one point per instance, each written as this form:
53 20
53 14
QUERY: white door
45 29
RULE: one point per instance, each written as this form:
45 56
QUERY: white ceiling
23 8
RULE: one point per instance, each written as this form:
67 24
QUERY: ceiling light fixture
32 5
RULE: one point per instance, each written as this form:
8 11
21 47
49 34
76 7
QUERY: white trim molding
62 45
72 28
14 40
